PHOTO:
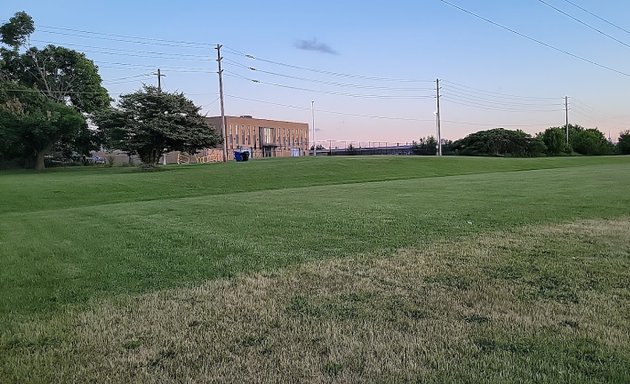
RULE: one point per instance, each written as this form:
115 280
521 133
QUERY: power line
54 92
467 103
493 93
583 23
496 125
476 98
125 51
330 73
174 69
140 80
131 54
206 106
269 102
130 77
369 96
124 38
127 79
535 40
493 103
333 83
113 39
598 17
590 110
331 112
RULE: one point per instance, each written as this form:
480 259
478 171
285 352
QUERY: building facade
264 138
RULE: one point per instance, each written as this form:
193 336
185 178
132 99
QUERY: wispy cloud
314 45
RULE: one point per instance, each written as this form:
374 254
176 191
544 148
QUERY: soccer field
328 269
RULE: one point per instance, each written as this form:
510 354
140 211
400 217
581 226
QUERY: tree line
551 142
52 101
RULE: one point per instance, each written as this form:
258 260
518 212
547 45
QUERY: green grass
73 238
22 191
544 303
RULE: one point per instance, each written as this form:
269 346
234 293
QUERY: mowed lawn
349 269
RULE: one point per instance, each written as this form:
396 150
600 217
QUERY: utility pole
159 86
223 121
566 117
437 117
159 78
313 113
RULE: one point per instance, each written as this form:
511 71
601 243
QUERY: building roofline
255 118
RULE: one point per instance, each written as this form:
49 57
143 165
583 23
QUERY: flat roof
255 118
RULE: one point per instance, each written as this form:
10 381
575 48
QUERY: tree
63 75
31 124
60 75
17 30
623 145
536 147
499 142
591 142
149 123
425 146
555 141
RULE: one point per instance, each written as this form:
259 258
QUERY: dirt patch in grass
549 303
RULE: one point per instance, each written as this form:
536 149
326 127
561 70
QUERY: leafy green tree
555 140
61 76
149 123
31 124
425 146
623 145
499 142
536 147
17 30
591 142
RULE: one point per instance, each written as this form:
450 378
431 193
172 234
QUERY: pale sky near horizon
342 54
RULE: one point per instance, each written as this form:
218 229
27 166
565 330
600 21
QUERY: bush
623 146
591 142
499 142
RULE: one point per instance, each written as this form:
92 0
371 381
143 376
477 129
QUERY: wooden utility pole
159 79
223 121
437 117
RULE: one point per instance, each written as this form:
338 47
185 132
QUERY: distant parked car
98 160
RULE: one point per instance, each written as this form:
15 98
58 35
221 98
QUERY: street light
313 114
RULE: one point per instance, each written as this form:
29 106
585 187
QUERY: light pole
313 114
437 117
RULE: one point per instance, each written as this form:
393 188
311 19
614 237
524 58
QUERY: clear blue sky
405 40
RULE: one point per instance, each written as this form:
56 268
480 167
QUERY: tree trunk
39 161
150 159
39 157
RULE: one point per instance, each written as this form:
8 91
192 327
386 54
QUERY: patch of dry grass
547 303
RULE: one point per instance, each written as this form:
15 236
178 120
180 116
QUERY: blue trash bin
238 156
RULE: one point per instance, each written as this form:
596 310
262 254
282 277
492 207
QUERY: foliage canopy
499 142
149 123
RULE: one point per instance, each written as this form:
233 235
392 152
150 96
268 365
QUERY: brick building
265 138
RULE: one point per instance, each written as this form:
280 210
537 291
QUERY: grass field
328 269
